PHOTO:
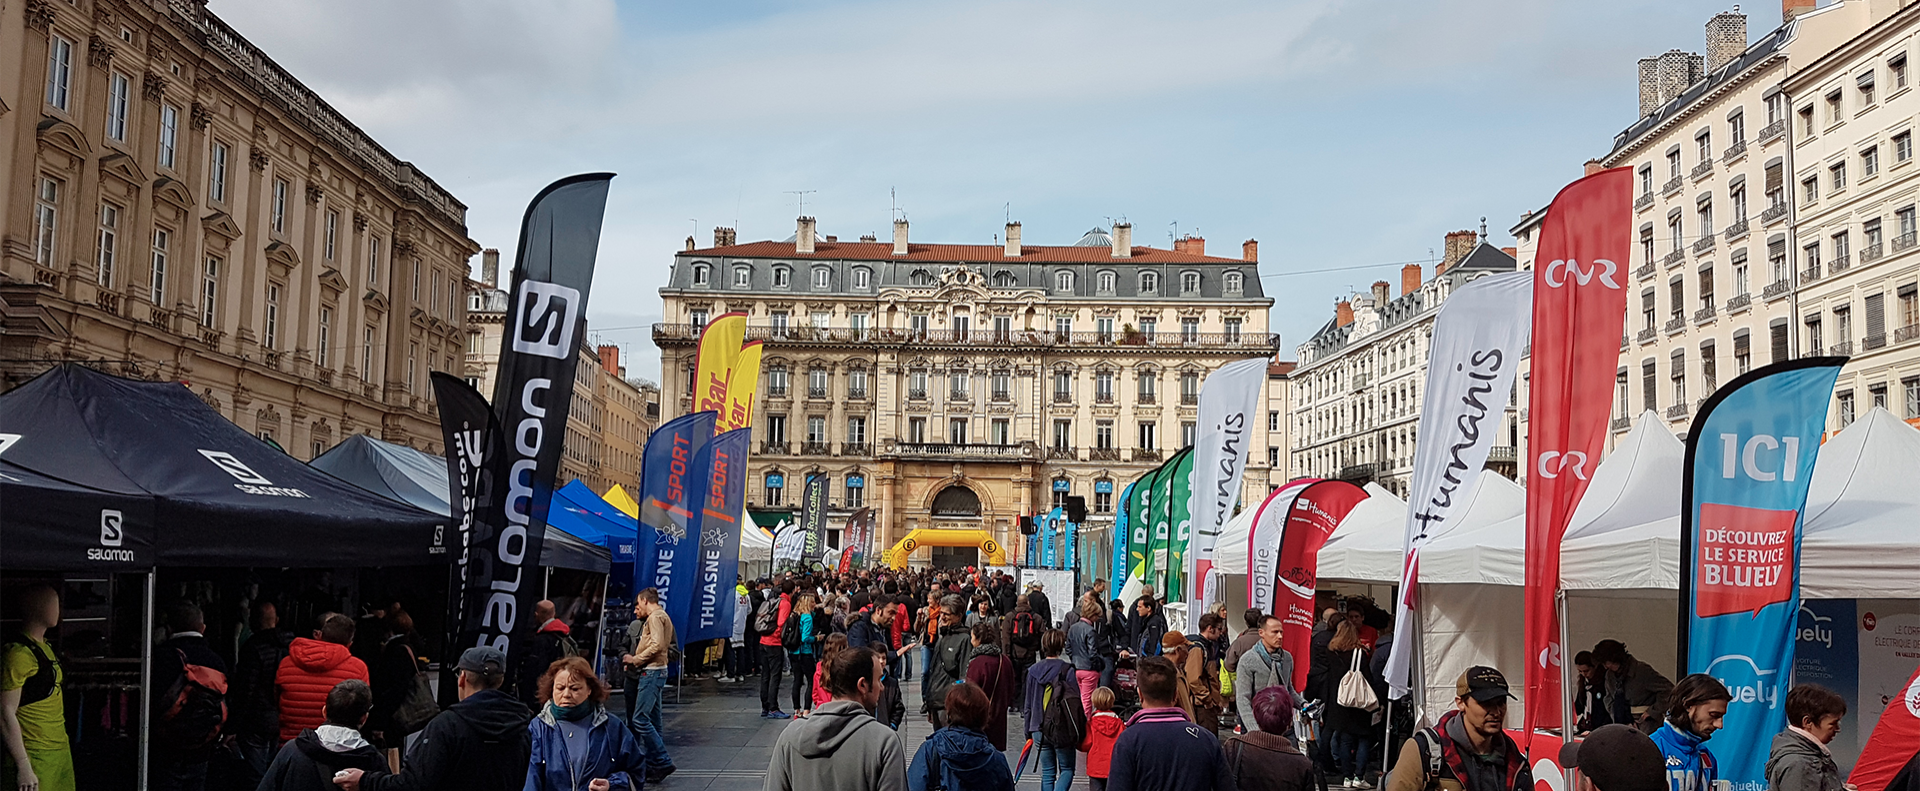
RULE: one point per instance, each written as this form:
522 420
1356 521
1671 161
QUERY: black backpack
1026 631
40 685
196 707
767 618
1063 723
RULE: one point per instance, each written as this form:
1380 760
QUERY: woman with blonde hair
576 745
806 629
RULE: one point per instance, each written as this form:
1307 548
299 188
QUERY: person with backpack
33 712
312 667
803 635
309 762
253 704
1054 716
1468 749
841 747
551 642
769 620
480 743
1020 636
394 671
959 757
189 703
989 668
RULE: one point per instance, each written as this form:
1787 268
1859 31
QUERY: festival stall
1369 545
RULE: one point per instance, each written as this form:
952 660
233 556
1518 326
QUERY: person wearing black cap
1468 749
1616 758
477 744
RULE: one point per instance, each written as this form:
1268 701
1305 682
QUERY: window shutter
1779 337
1876 320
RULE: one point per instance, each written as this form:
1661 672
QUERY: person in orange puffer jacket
312 667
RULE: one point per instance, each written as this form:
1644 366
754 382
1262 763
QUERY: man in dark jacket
305 763
253 709
1037 600
1162 749
949 665
182 746
478 744
875 631
547 646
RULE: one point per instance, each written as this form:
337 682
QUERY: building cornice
1631 148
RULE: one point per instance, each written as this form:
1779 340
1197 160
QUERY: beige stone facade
962 386
178 208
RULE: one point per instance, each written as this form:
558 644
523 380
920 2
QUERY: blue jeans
1056 765
646 718
1350 751
926 659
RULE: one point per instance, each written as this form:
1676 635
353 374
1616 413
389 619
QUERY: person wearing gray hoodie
840 746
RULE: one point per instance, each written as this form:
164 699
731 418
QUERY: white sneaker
1361 783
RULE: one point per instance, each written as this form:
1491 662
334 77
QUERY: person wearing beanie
1616 758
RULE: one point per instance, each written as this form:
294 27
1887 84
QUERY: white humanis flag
1477 342
1230 402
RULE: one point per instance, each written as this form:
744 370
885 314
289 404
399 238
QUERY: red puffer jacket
309 672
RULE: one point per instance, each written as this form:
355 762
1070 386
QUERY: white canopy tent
1230 553
1369 544
755 544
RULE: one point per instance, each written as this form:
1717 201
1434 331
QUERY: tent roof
1368 545
1488 540
50 524
420 479
618 498
1862 507
222 497
1230 549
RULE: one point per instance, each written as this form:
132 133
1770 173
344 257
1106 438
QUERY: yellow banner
719 348
745 383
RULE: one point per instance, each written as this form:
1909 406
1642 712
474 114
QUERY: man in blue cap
477 744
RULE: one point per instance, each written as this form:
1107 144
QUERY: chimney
1409 279
1250 250
490 267
1123 240
610 358
1013 240
724 237
1342 313
900 237
1593 166
1726 38
1459 244
803 235
831 238
1793 8
1649 86
1192 245
1512 252
1380 293
867 237
690 245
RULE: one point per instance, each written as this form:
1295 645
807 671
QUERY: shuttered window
1778 335
1876 321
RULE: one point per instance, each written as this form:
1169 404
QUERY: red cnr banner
1580 274
1316 511
1893 741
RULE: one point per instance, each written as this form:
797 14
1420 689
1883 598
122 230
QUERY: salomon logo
110 532
249 481
545 320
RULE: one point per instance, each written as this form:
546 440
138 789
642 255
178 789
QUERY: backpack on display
38 686
767 618
196 707
1062 722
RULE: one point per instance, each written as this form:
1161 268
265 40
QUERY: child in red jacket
1103 729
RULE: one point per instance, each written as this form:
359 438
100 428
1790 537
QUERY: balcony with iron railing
1642 202
1735 151
1675 256
1907 333
776 391
816 392
1623 342
1702 170
771 448
917 394
1677 411
1104 454
1253 342
1772 130
856 449
1502 454
1773 214
857 395
1146 454
1810 274
1872 342
1144 398
1703 244
1841 349
816 449
1673 185
1060 452
1704 314
1870 254
1739 303
1736 231
1622 423
1778 289
1646 271
1675 324
962 449
1839 263
1647 335
1189 399
1103 398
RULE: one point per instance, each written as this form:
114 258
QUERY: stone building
1356 391
178 207
961 386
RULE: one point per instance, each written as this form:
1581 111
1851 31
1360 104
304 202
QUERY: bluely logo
1746 680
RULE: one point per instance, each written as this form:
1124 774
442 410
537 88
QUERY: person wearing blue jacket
577 745
1697 708
959 757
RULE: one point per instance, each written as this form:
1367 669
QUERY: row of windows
780 323
960 431
1875 326
1708 356
1869 157
1063 280
1865 95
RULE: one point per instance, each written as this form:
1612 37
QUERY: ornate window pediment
55 133
282 258
121 166
173 191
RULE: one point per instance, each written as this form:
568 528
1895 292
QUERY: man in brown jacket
649 663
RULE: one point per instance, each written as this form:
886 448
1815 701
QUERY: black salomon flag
553 270
473 445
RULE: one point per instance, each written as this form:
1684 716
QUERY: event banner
860 526
813 519
1316 511
1263 545
1230 401
1179 524
742 384
546 311
1069 540
788 542
1049 531
1749 461
713 368
1122 528
673 493
1579 305
1476 345
724 501
1892 744
1140 534
473 453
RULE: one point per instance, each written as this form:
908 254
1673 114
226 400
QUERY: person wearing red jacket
1103 729
312 667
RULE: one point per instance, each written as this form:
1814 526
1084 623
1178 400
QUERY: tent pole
1419 666
146 681
1566 681
1386 738
546 585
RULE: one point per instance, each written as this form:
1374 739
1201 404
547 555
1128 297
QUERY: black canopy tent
206 493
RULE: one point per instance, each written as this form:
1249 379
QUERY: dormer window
1189 283
1063 280
1106 281
1149 282
862 278
1004 279
742 276
1235 282
920 277
701 274
781 276
822 279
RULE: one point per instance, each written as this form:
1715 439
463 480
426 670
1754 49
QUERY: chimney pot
1726 38
1343 313
832 238
1459 245
490 267
1380 293
1409 279
1192 245
1250 250
1013 240
690 244
867 237
1793 8
900 237
1123 240
723 236
803 235
1594 166
610 358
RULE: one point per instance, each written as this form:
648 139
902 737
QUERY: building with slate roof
962 386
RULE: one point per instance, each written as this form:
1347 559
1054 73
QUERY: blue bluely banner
673 490
712 611
1749 461
1066 532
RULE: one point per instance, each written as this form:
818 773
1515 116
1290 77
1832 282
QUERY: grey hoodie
1797 764
839 747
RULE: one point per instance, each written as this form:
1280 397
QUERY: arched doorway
956 500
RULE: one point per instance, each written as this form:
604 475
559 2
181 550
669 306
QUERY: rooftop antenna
1483 228
894 196
803 199
1009 211
1174 235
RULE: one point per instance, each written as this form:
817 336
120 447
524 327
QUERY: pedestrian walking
1161 749
1800 759
1696 708
574 744
739 657
1020 634
989 668
478 744
948 665
1468 749
1265 665
769 620
552 639
314 665
1056 760
1349 729
875 630
647 665
1103 731
394 670
189 698
842 747
1266 759
253 707
959 757
802 635
309 761
1149 625
1037 600
833 644
1082 645
33 712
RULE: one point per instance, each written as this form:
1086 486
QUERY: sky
1347 136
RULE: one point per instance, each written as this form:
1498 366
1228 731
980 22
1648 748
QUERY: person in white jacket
738 655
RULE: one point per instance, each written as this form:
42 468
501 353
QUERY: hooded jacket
1796 763
612 753
965 761
1690 765
839 747
308 763
1103 729
309 672
1033 697
994 672
478 744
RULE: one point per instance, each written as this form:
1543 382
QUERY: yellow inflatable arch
993 554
